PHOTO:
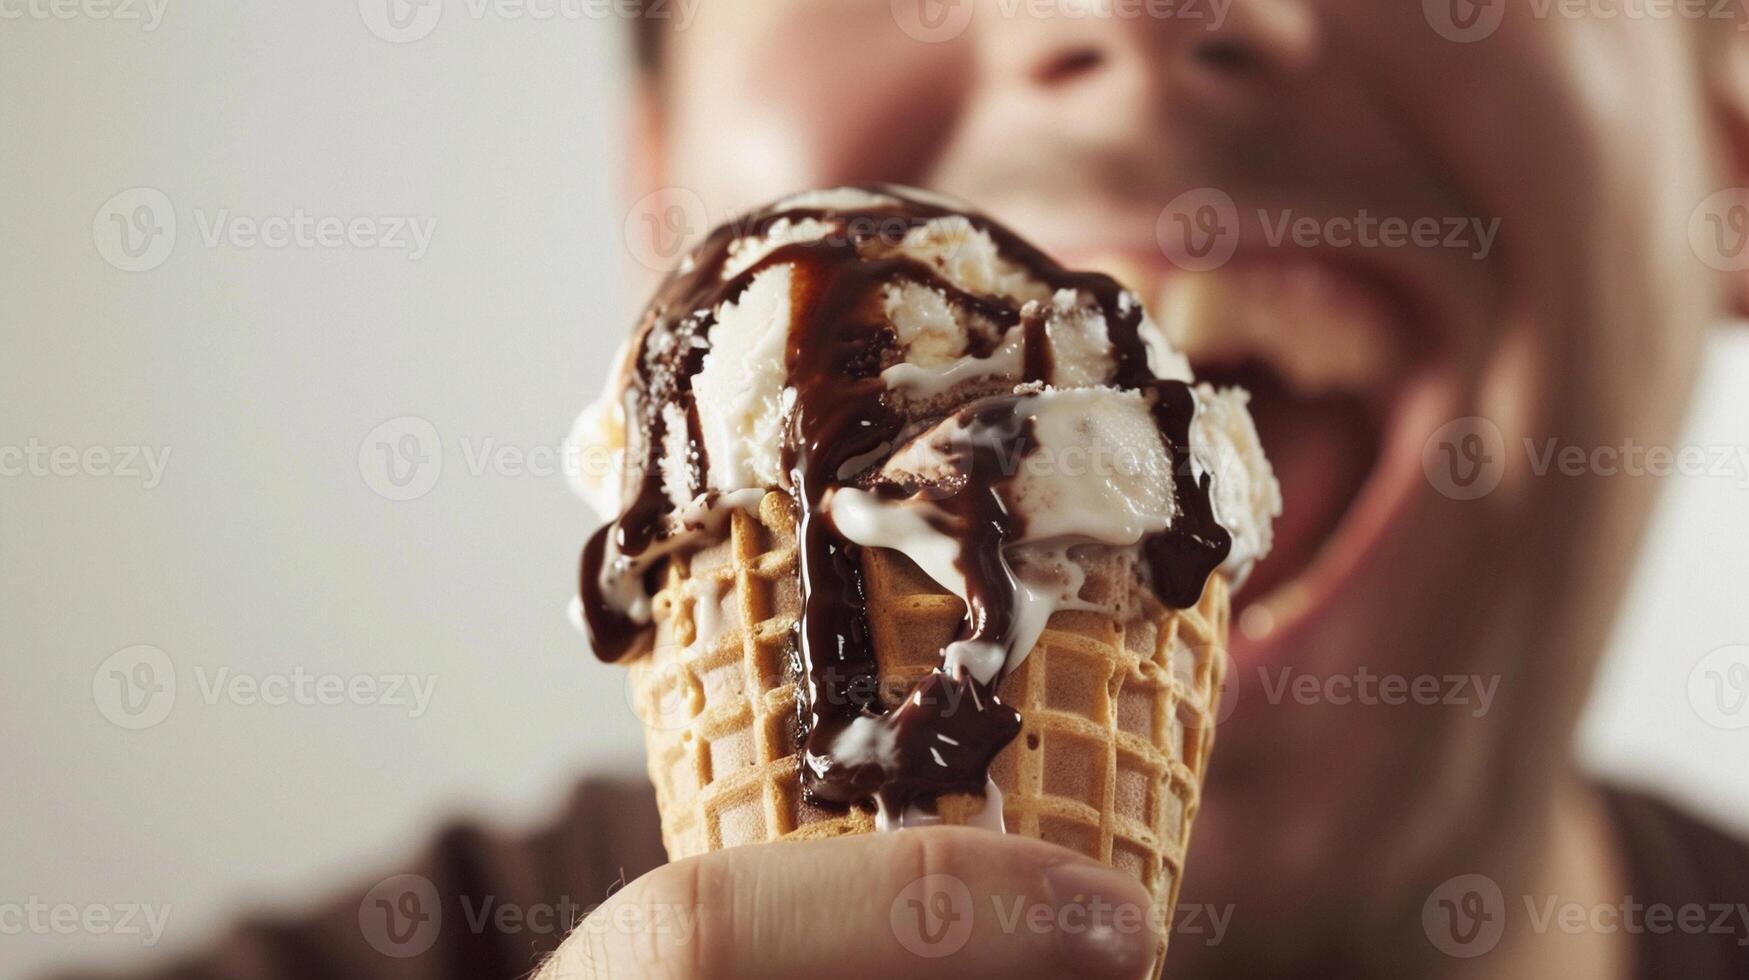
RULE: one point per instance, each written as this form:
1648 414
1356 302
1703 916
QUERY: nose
1112 60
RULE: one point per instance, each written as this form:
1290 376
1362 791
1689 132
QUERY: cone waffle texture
1118 717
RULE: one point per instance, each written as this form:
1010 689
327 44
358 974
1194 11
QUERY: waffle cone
1118 716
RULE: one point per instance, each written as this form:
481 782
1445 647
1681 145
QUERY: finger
940 902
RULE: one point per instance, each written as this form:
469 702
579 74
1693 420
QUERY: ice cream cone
1118 715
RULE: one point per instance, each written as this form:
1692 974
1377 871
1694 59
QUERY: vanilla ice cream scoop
917 378
1049 467
1093 465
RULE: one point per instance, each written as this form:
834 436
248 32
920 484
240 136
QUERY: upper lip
1420 300
1434 291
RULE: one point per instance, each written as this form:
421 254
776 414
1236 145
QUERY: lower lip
1269 629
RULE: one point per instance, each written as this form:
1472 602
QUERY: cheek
810 100
1580 137
1608 206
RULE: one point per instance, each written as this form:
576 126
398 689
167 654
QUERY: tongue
1323 448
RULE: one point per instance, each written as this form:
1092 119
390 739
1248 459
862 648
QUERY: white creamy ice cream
743 398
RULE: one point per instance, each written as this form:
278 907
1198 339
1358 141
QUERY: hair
647 38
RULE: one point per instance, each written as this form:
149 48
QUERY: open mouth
1323 446
1335 374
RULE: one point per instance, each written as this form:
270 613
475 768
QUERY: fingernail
1104 920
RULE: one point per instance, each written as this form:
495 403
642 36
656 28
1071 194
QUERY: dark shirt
1679 864
484 907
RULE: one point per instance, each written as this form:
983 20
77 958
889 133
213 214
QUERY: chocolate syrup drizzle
945 732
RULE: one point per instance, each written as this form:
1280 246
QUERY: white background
262 370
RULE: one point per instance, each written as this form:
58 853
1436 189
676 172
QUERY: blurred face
1381 232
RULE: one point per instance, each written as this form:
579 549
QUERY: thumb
941 902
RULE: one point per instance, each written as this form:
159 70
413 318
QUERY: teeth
1129 274
1318 330
1209 316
